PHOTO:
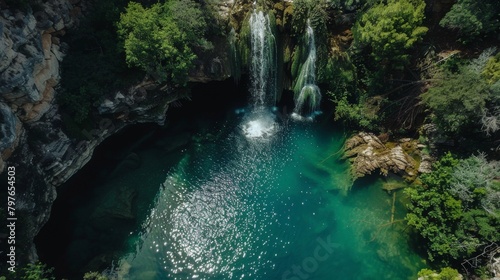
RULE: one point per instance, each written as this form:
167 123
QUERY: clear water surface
260 198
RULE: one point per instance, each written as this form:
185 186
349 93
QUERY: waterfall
263 62
260 123
305 89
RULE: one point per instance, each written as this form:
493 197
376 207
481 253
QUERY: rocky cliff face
29 67
30 55
32 137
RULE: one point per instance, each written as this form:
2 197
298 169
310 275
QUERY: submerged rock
120 207
131 162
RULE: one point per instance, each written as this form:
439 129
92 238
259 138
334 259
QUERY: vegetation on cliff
458 97
473 19
394 74
391 29
160 39
94 65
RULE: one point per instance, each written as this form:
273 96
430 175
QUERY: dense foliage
160 39
473 18
446 273
391 29
465 96
32 271
456 209
457 100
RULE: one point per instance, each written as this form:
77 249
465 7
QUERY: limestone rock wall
32 137
30 54
367 153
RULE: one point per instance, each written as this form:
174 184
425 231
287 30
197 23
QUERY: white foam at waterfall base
260 125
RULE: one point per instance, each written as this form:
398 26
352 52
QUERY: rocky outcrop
30 123
8 123
141 103
494 266
30 53
367 153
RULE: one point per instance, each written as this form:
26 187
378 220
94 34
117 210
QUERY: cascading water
305 89
263 74
263 61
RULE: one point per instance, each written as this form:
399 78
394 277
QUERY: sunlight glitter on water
240 209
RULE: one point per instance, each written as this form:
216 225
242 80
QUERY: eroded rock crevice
367 154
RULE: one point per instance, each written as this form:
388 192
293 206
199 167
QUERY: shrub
446 273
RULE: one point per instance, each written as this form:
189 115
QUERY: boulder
367 153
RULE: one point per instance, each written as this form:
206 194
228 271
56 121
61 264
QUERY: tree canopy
457 100
456 208
391 29
462 98
472 18
160 39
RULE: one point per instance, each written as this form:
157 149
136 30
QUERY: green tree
490 119
472 18
491 70
391 29
160 39
472 178
190 20
457 100
455 226
94 64
363 113
433 211
32 271
463 95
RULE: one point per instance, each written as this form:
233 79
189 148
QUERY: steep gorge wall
31 53
32 134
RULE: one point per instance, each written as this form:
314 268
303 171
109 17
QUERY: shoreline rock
367 153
